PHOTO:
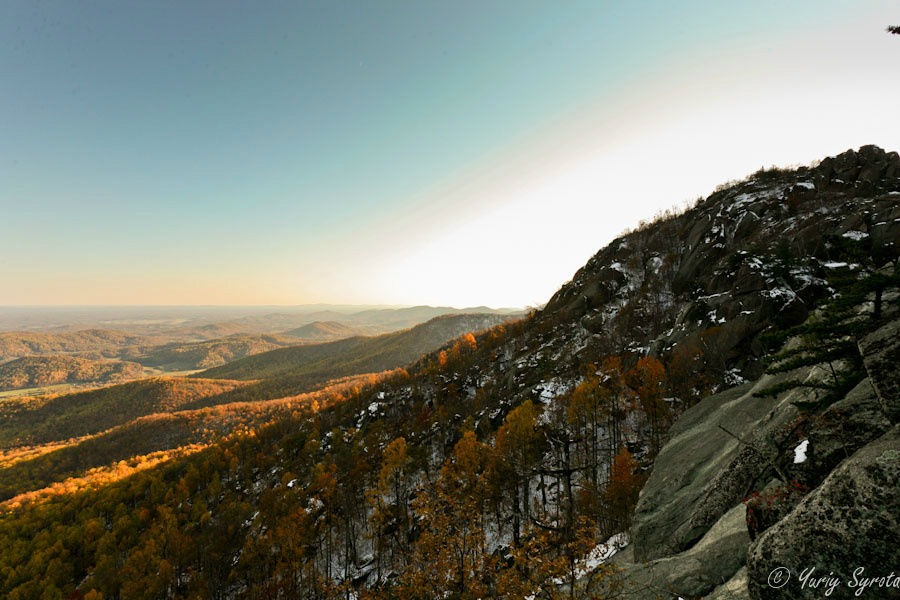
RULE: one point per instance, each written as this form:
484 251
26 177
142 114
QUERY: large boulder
869 169
827 439
694 453
733 589
763 442
851 521
845 427
711 563
885 229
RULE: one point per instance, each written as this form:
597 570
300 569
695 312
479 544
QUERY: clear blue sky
395 152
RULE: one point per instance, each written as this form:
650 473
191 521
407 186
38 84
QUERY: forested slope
39 420
37 371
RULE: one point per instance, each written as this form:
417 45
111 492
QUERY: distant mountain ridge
323 331
355 355
381 320
202 346
188 356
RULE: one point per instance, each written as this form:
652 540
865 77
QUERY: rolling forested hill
178 356
48 419
17 344
38 371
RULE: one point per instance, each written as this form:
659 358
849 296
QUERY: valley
81 435
37 362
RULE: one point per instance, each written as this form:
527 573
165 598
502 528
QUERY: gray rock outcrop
692 573
851 521
881 355
703 470
686 532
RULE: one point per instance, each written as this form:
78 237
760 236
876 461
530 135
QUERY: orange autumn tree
647 379
546 567
623 488
616 399
464 346
585 412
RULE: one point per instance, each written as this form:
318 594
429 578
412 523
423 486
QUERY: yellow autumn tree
516 445
450 558
389 500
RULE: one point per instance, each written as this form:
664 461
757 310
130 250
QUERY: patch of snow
733 377
742 199
800 452
807 184
603 552
599 555
855 235
782 293
551 389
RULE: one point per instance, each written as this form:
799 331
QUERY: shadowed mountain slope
323 331
354 355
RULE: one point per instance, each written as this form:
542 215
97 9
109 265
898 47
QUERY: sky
446 153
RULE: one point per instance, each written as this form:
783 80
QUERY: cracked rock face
881 355
852 520
703 471
696 451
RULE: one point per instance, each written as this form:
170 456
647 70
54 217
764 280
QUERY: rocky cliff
750 498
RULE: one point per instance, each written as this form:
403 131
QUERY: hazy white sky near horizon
484 171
